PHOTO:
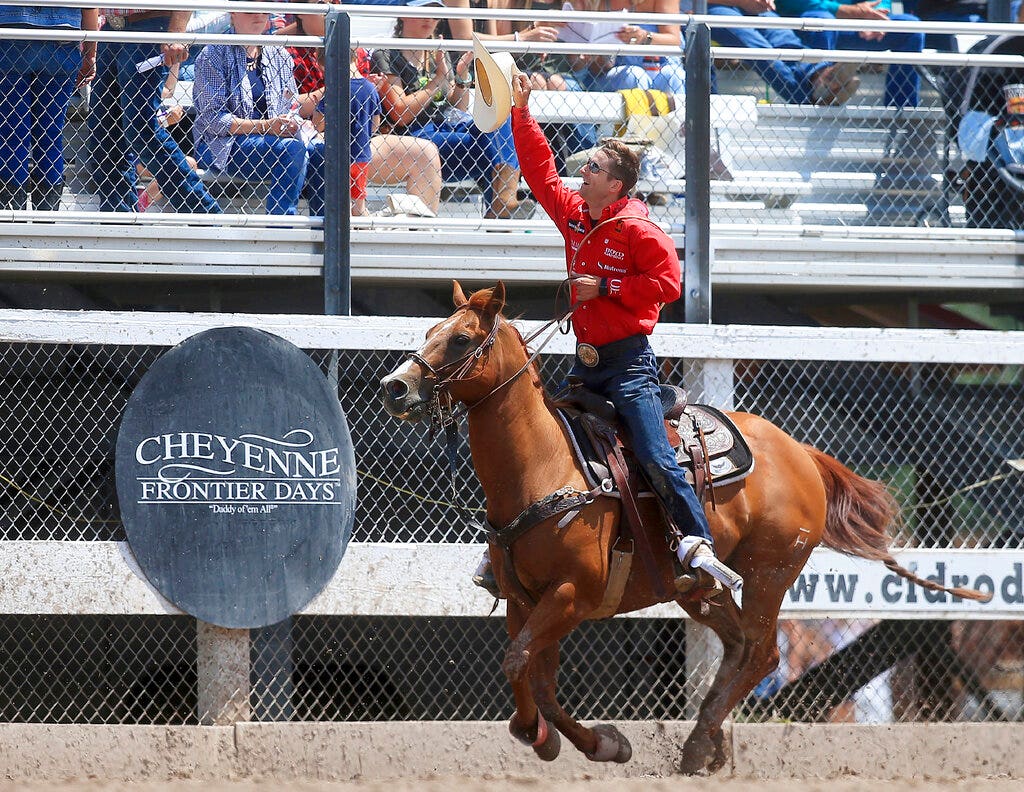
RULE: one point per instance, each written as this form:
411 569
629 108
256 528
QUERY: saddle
692 429
708 446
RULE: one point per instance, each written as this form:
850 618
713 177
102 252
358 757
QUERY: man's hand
753 7
868 10
587 287
521 89
174 53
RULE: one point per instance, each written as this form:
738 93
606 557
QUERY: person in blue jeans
123 124
796 82
37 79
423 95
902 82
657 72
954 11
247 123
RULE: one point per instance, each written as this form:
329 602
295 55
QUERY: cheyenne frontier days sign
236 477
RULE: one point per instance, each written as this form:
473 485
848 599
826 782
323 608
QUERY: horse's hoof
549 749
695 756
612 745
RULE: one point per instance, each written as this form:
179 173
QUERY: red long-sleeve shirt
638 258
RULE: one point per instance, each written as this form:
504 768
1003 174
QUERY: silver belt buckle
587 354
116 22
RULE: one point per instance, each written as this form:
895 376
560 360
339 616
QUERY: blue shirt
222 93
364 104
47 16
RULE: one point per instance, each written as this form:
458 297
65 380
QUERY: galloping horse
765 527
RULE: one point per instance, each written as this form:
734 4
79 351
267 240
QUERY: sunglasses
593 167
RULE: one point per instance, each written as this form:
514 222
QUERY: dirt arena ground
538 784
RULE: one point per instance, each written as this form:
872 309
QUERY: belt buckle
588 355
116 21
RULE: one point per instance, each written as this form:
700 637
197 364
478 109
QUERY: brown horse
765 527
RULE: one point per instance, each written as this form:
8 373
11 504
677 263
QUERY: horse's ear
458 296
497 302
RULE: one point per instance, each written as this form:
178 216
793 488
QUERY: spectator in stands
364 118
122 121
424 96
247 125
953 11
178 121
546 72
796 82
658 72
902 82
394 159
37 79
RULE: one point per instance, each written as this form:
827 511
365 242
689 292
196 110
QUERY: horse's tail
857 518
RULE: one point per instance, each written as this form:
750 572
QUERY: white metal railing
101 577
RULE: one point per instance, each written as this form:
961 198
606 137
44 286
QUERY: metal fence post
714 383
337 229
697 256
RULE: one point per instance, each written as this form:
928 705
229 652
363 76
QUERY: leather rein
442 416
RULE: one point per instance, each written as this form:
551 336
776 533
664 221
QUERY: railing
400 628
859 166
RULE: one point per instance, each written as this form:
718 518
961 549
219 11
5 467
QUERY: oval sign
236 477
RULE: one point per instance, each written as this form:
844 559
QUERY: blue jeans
468 153
36 81
280 161
629 379
631 72
791 80
123 126
902 82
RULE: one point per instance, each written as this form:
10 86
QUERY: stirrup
697 553
484 578
695 582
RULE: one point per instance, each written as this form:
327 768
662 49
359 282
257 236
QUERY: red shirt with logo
637 257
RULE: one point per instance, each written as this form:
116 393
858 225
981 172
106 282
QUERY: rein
443 417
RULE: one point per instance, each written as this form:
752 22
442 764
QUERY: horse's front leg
532 657
527 725
609 744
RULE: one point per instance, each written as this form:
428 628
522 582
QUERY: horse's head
459 361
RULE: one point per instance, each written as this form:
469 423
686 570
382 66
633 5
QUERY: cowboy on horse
622 268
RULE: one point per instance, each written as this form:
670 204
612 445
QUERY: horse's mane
481 301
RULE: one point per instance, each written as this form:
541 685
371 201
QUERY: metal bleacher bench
607 110
728 113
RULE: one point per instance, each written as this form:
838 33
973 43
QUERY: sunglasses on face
593 167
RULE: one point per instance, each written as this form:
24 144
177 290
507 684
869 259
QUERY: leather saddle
692 430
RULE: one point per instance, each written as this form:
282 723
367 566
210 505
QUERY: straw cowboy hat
492 97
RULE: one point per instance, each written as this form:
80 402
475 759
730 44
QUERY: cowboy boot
13 196
835 84
504 203
697 555
484 577
46 197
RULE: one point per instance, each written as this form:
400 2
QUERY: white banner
842 587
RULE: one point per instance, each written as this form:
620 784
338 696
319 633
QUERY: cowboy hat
492 97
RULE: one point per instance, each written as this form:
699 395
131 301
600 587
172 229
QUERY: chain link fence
946 437
866 141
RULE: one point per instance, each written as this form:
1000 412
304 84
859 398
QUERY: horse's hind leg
750 651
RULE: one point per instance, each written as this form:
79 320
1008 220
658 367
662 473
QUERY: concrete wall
380 751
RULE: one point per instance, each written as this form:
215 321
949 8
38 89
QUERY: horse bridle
441 413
